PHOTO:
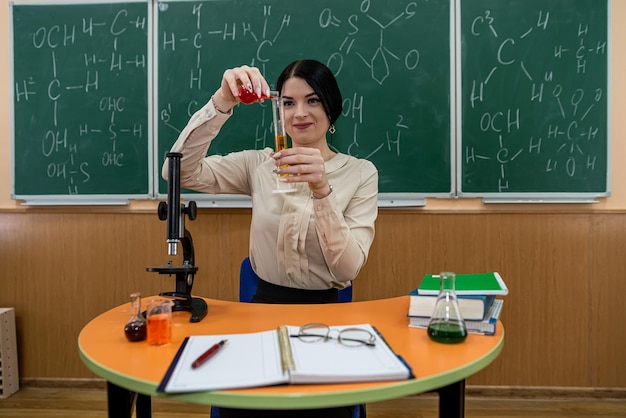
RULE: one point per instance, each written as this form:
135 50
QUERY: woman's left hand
304 165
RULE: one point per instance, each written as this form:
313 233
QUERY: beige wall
564 265
618 126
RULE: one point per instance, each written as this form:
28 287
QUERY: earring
331 129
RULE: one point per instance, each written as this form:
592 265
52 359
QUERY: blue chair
248 281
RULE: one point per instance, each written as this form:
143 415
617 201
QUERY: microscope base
197 306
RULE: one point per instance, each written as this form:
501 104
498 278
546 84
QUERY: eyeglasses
351 337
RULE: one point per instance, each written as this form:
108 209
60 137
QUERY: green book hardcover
467 284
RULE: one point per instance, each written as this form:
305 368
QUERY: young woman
307 244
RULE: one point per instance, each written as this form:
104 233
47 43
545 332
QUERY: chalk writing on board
262 37
356 25
378 60
562 141
396 93
84 130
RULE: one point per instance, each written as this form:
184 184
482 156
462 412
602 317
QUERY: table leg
452 400
121 403
144 406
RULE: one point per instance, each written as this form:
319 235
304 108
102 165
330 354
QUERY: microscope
174 213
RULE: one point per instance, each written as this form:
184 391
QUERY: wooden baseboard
528 392
63 383
544 392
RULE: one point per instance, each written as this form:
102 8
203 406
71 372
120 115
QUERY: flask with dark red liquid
135 329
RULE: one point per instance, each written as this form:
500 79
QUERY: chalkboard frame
106 199
530 196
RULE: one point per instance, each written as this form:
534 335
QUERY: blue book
473 307
486 326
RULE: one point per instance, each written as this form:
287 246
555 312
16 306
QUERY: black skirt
272 293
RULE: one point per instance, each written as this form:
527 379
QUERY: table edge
300 400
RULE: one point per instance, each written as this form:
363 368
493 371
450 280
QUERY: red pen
208 354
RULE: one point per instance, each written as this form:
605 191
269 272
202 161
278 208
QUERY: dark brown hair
321 80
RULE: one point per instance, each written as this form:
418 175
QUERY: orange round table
138 367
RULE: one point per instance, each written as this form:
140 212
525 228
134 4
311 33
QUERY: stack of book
476 295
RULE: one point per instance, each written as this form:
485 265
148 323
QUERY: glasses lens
355 337
311 333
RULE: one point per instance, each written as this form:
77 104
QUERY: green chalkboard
101 90
534 97
392 60
81 124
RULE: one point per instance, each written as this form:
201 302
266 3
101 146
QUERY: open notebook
264 359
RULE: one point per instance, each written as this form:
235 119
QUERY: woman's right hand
250 77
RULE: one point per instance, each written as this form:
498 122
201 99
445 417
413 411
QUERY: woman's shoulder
255 159
255 156
248 160
352 161
260 153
